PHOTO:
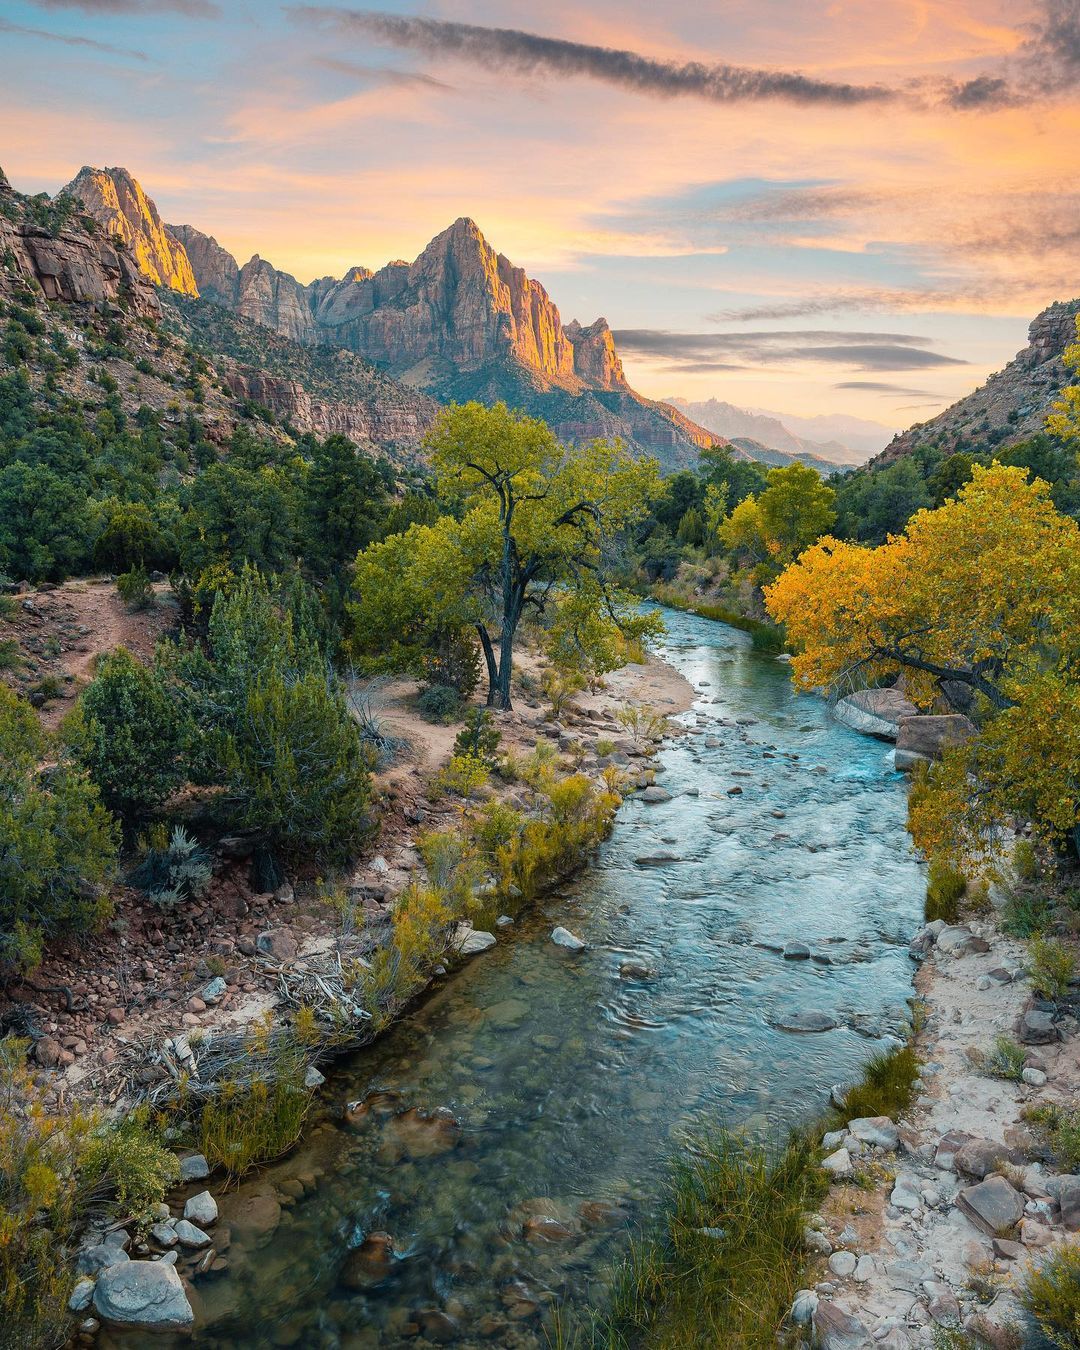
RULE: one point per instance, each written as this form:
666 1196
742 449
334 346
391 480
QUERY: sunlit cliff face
811 207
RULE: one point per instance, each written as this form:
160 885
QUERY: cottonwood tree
538 526
983 592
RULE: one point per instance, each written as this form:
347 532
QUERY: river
570 1082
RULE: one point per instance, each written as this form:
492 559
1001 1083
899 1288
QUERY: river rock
655 793
993 1206
562 937
809 1021
905 1192
201 1209
838 1163
875 712
188 1235
835 1329
471 941
876 1130
1037 1027
99 1257
81 1296
280 943
252 1214
164 1234
194 1168
842 1264
803 1308
146 1294
978 1157
369 1264
1066 1191
924 738
436 1325
908 1275
796 951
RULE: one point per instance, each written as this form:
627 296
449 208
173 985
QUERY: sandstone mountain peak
117 202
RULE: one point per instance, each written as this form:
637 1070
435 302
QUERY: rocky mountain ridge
772 433
461 321
1013 403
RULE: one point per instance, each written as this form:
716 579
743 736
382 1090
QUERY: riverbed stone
796 951
1065 1190
908 1275
842 1264
905 1192
201 1209
807 1021
993 1206
803 1307
655 794
838 1163
835 1329
472 941
879 1131
98 1257
875 712
190 1235
164 1234
979 1157
562 937
194 1168
1037 1027
81 1296
146 1294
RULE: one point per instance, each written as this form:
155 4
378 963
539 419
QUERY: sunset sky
811 206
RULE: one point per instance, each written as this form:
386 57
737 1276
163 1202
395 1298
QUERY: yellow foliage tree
1064 421
984 592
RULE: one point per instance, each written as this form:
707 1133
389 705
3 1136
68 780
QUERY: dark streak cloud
697 352
69 41
511 49
196 9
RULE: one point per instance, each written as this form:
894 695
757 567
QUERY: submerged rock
562 937
370 1263
808 1021
145 1294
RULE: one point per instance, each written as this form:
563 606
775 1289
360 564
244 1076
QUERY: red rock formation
595 359
70 264
119 205
215 269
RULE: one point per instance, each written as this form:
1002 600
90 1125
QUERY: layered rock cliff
43 242
116 201
1012 405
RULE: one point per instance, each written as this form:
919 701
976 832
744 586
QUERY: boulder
835 1329
1037 1027
369 1264
82 1295
843 1264
471 941
1066 1191
875 712
194 1168
562 937
948 1146
278 943
877 1130
838 1163
655 793
188 1235
99 1257
921 739
993 1206
979 1157
201 1209
146 1294
803 1308
796 951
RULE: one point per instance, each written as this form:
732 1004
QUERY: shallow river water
570 1083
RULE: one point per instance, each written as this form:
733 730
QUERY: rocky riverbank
934 1220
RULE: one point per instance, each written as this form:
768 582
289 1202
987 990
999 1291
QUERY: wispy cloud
380 75
699 352
68 40
197 9
884 387
512 49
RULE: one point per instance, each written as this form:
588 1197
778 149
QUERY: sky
810 206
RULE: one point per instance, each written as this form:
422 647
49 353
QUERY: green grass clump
734 1284
945 888
1051 1295
887 1085
1051 966
1006 1060
1058 1131
1025 913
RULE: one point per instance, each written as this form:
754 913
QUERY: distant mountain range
826 442
460 322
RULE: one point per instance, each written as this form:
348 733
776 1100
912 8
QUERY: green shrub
479 737
1025 861
57 842
11 657
1051 1295
179 872
134 588
944 890
439 703
1058 1130
126 1161
1051 966
1006 1060
49 688
462 776
129 734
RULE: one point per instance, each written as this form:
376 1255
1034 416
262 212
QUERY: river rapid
518 1124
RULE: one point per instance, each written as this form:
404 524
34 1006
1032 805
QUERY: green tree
233 516
344 505
275 729
44 523
732 480
797 508
57 841
129 736
538 520
874 504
